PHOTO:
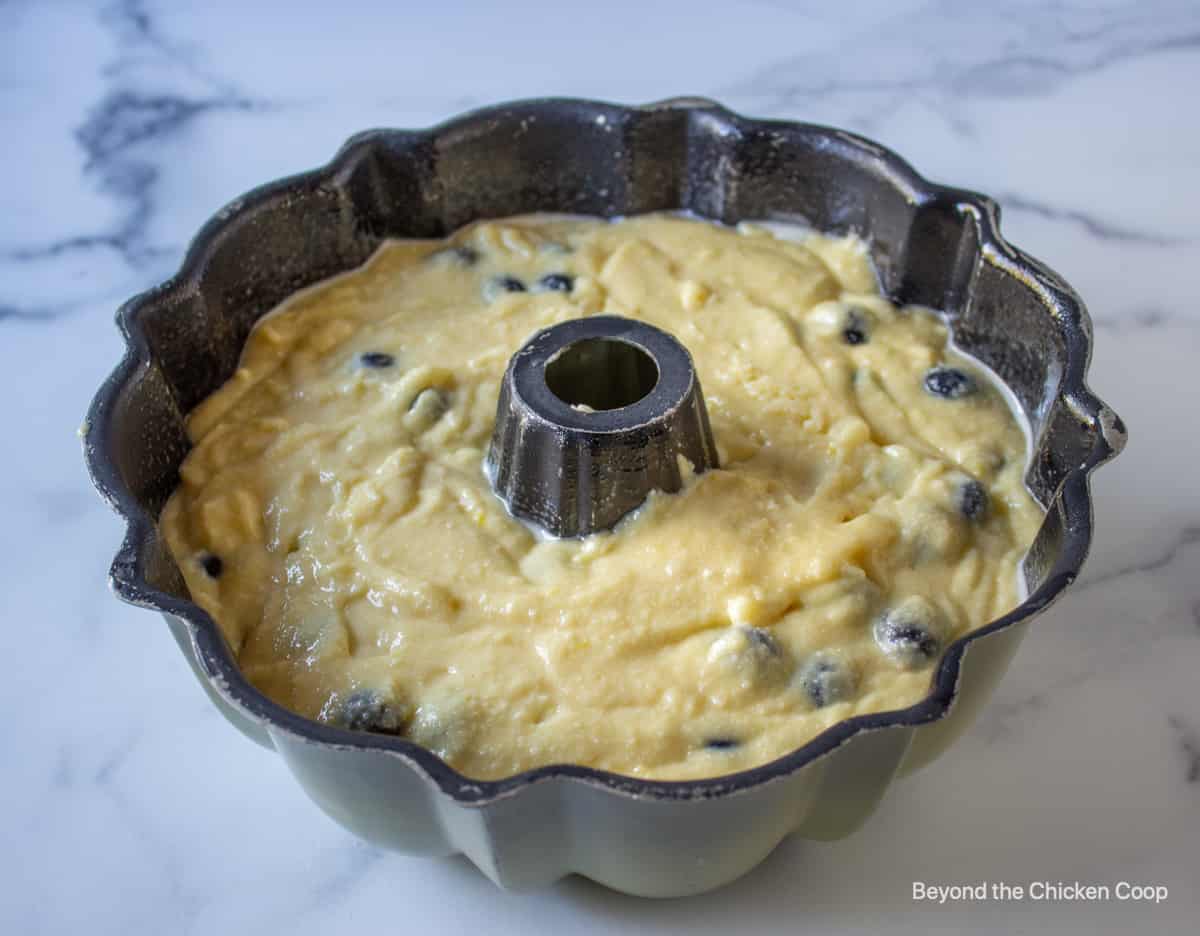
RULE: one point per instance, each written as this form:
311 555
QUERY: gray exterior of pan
932 245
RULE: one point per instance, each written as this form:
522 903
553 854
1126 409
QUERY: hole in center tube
601 374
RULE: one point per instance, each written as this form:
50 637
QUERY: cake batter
335 520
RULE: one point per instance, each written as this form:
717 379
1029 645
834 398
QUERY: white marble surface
127 805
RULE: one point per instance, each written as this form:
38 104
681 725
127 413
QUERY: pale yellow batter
335 519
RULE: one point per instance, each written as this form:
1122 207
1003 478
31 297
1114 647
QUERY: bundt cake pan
932 245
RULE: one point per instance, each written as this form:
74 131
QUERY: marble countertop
127 125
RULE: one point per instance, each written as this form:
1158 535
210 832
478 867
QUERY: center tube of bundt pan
594 414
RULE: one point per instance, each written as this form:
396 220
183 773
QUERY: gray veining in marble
128 124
